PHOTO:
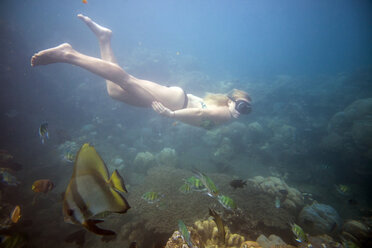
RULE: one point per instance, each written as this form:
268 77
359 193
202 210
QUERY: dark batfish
91 192
238 183
220 227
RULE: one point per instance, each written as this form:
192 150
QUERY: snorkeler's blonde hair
236 94
222 99
216 99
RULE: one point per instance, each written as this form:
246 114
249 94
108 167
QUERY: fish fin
117 182
88 160
121 204
212 213
91 226
196 171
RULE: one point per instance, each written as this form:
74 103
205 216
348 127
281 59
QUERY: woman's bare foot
52 55
102 33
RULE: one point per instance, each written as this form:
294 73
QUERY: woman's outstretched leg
66 54
170 95
104 39
120 85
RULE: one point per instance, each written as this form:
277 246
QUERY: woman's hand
234 113
160 109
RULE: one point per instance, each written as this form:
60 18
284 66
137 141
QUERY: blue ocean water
305 64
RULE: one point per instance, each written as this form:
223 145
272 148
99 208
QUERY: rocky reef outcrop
317 219
143 161
358 232
204 233
167 157
290 198
350 132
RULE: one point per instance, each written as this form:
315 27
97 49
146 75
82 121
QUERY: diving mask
243 107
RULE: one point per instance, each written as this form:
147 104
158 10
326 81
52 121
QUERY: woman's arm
206 118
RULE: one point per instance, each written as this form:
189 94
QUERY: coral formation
250 244
290 198
224 151
255 131
319 219
271 241
167 157
205 233
352 126
208 234
162 216
143 161
323 241
234 131
68 146
357 232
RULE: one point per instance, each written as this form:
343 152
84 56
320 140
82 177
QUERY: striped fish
182 228
91 192
299 233
212 190
185 188
151 197
226 202
195 183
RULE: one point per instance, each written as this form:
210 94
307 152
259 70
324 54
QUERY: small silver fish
277 202
43 132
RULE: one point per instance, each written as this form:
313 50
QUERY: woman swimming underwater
172 102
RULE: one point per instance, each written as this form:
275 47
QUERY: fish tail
196 172
116 181
91 226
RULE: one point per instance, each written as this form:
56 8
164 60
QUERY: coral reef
250 244
167 157
352 126
208 235
162 216
271 241
68 146
255 131
290 198
224 151
205 234
253 217
318 219
323 241
234 131
143 161
357 232
117 163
